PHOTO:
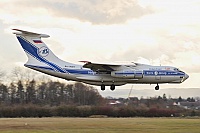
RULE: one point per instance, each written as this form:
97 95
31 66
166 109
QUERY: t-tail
39 55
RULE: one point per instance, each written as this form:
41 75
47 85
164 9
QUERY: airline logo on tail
43 51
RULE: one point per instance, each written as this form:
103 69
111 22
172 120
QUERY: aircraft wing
103 67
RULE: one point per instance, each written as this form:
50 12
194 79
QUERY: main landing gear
157 87
103 87
112 87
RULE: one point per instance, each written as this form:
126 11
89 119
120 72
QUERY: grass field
99 125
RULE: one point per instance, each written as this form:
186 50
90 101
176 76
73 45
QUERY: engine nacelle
123 74
137 74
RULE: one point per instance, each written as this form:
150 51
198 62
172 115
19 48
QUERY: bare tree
2 74
85 94
3 93
18 73
12 91
23 74
31 92
20 92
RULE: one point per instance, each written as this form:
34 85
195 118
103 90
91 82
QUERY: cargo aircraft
42 59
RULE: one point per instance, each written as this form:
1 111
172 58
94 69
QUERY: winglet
27 33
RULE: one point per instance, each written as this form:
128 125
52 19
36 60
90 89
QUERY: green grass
99 125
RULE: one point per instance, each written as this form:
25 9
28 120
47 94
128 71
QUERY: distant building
190 105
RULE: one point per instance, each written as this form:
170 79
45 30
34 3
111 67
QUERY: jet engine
137 74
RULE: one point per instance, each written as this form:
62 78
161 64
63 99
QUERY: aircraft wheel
103 87
157 87
112 87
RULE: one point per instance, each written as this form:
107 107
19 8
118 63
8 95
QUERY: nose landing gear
157 87
103 87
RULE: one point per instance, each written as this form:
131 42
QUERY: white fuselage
143 74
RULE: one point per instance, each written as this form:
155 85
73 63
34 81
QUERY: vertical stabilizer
39 55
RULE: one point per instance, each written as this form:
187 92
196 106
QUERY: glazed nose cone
185 77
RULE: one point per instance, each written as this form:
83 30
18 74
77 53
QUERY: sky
152 32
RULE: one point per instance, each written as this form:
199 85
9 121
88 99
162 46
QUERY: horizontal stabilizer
27 33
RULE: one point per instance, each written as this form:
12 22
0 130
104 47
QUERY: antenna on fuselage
160 61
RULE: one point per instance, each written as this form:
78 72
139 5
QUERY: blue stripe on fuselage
71 71
122 73
153 73
162 73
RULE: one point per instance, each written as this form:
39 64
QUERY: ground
99 125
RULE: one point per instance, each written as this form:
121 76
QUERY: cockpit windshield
178 70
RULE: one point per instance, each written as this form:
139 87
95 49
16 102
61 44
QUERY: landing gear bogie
103 87
112 87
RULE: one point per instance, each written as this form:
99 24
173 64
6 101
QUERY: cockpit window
178 70
175 69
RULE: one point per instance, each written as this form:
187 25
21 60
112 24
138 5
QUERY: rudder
37 51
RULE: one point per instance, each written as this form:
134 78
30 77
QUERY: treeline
51 93
89 111
56 99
